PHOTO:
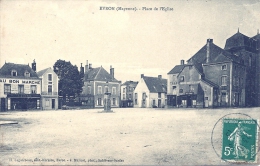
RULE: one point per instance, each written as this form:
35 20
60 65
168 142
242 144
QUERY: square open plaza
128 136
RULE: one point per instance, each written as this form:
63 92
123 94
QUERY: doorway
188 101
53 103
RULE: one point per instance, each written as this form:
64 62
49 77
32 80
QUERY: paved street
127 136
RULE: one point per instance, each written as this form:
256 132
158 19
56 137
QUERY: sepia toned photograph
112 82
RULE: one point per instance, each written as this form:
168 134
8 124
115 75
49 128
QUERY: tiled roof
130 83
177 69
156 84
20 68
98 74
201 56
226 56
40 73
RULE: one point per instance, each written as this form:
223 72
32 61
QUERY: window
20 89
191 88
26 74
114 101
49 77
173 87
99 101
33 89
144 95
14 73
135 98
99 90
47 102
123 96
224 67
89 90
130 96
114 90
153 102
182 79
181 91
106 89
124 90
224 80
159 95
49 90
205 89
7 88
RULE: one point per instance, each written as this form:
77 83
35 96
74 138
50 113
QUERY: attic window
26 74
14 73
224 67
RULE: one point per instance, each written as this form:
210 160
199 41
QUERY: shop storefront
23 101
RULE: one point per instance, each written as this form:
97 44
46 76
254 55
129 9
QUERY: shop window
7 88
33 89
224 67
194 102
20 89
13 73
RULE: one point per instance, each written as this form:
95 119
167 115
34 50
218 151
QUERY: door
2 104
53 103
159 103
188 101
236 99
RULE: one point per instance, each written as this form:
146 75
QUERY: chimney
81 69
142 75
86 67
209 42
182 62
90 66
160 76
34 65
112 72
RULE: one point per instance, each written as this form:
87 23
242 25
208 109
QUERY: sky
149 42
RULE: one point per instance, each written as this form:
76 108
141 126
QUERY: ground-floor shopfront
127 103
49 102
20 102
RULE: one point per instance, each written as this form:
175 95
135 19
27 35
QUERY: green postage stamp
239 141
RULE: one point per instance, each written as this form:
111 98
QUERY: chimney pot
182 62
160 76
90 66
142 75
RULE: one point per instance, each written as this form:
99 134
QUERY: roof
196 65
41 72
20 69
177 69
156 84
201 56
98 74
130 83
225 56
212 84
238 41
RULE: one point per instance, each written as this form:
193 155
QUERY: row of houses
212 77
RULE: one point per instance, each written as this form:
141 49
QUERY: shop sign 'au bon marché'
16 81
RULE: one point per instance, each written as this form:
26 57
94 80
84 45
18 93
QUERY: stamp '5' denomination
239 140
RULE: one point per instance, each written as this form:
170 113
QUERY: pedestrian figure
236 136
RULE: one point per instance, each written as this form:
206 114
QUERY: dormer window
14 73
26 74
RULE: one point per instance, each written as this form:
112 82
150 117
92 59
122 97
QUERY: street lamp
107 100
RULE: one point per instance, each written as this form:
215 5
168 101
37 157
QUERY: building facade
97 81
213 77
20 87
49 89
150 92
127 94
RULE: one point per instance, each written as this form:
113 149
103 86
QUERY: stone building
150 92
232 72
127 90
20 87
49 89
98 81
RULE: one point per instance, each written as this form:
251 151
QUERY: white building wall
140 89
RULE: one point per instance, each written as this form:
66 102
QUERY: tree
70 80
